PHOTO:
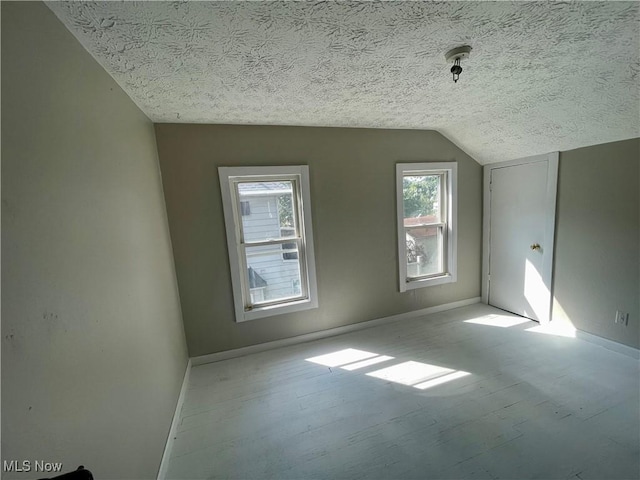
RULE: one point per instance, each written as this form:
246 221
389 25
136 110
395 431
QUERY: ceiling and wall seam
541 77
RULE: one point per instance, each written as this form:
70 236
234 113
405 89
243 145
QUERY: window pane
267 270
424 251
271 208
421 199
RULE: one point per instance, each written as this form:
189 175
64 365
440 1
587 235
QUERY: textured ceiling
541 77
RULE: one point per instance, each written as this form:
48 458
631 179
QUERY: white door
521 228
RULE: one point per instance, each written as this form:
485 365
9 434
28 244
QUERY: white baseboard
309 337
608 344
164 463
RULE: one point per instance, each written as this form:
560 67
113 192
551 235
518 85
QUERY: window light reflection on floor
416 374
557 329
440 380
502 321
341 357
366 363
410 373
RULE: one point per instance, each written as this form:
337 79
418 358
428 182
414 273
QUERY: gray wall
353 207
93 350
597 254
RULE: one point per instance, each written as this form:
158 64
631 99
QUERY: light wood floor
456 400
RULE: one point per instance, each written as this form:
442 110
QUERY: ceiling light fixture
454 56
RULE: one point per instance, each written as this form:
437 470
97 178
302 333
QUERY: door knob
535 246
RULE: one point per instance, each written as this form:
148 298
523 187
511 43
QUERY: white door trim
550 220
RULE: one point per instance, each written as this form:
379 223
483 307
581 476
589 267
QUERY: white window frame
450 219
299 174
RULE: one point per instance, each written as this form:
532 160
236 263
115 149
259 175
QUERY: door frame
550 221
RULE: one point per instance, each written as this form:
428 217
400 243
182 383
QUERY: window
270 250
426 203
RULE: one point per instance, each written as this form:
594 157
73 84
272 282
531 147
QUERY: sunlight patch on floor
440 380
341 357
557 329
498 321
413 374
410 373
366 363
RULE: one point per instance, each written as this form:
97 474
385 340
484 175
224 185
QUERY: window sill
427 282
280 309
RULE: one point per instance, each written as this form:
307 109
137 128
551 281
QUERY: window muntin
426 218
270 250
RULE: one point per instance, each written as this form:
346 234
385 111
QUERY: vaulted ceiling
542 76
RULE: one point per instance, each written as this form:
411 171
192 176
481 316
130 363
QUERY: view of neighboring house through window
268 223
289 250
426 206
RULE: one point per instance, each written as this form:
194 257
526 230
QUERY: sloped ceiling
541 77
